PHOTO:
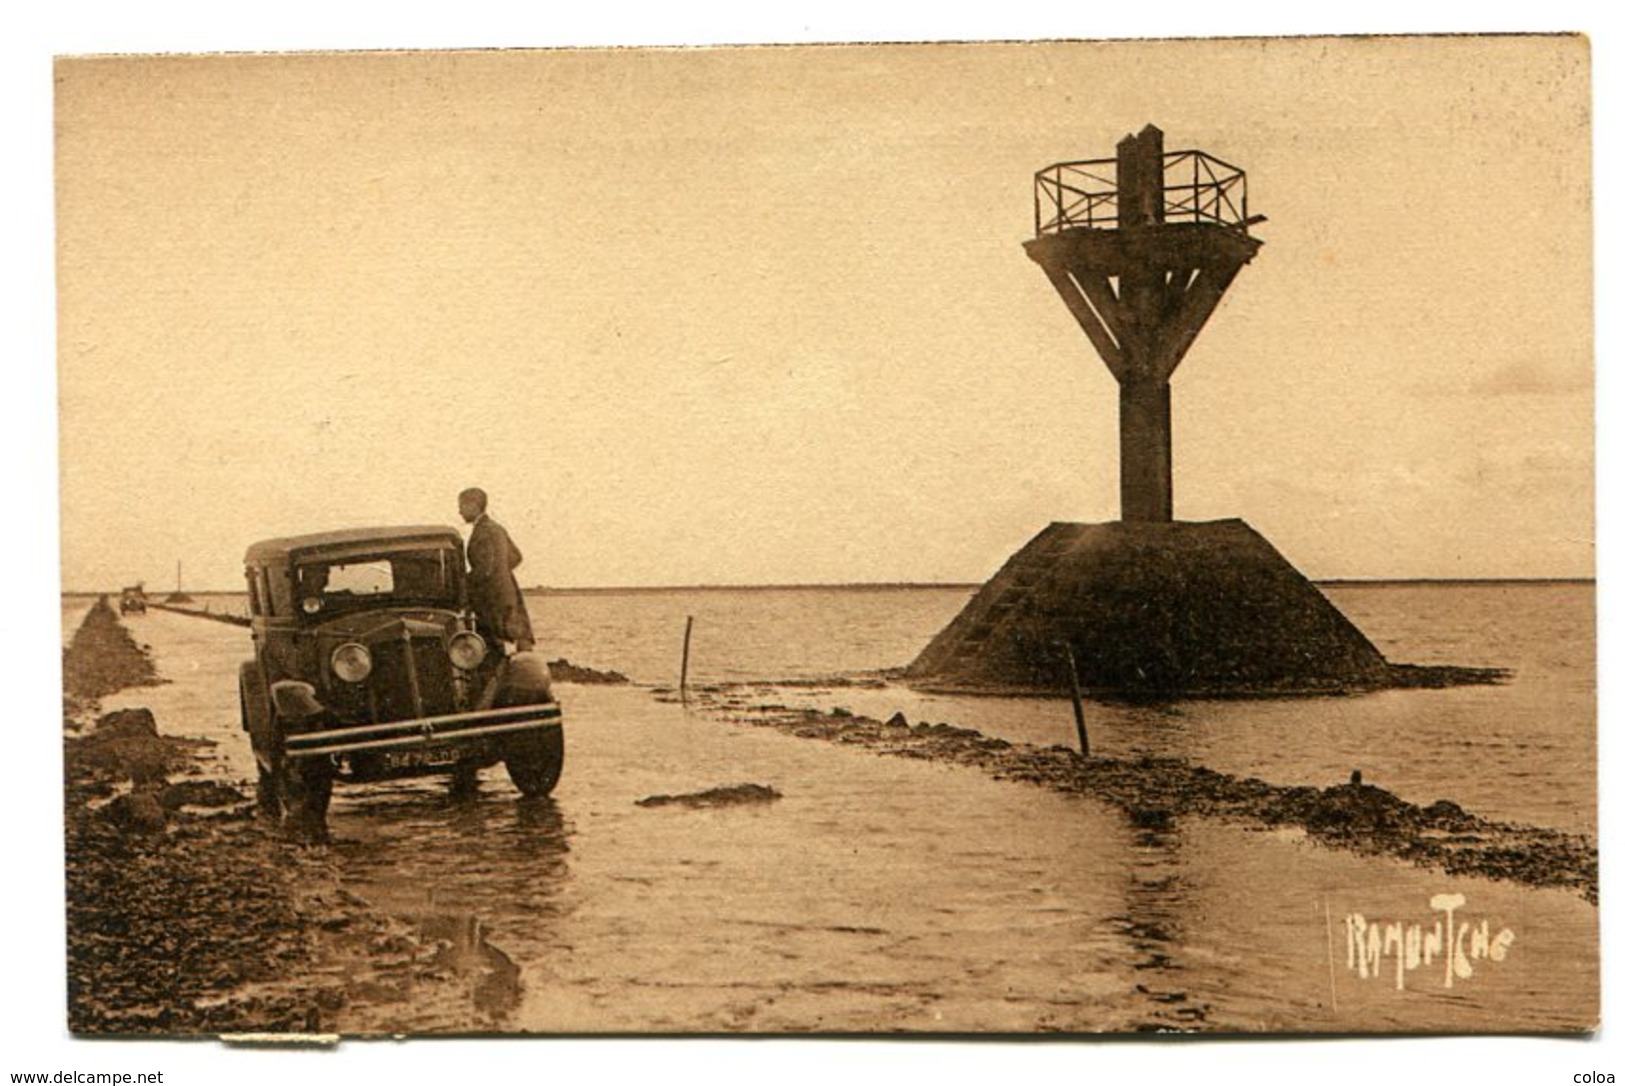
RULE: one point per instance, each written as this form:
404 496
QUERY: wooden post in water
1077 701
682 678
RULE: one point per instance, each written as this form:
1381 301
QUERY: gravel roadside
186 914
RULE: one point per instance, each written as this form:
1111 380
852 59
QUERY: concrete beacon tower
1141 248
1142 263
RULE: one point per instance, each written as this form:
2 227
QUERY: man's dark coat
493 591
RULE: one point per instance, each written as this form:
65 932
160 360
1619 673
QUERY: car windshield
425 576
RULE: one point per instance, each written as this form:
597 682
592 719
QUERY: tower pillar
1145 449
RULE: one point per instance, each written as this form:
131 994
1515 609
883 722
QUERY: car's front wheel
535 760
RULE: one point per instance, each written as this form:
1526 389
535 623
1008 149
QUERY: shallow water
1519 751
886 893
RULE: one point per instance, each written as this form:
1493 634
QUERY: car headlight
352 662
467 650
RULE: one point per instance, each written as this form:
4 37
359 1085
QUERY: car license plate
423 759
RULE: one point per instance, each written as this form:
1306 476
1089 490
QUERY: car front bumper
423 731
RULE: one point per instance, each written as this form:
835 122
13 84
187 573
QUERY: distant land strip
620 590
857 586
1384 582
887 586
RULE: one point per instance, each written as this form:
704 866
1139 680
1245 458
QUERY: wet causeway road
877 894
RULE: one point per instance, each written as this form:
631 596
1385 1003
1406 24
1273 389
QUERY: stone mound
1150 609
727 796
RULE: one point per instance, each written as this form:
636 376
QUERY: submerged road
877 894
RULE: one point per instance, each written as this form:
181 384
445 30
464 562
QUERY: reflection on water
472 870
461 948
1157 913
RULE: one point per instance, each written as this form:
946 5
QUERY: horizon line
861 586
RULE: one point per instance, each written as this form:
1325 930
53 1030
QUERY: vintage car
368 665
132 600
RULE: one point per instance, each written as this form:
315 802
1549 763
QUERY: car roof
267 550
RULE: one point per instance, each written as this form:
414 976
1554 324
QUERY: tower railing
1196 188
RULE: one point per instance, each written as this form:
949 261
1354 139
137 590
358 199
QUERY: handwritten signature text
1450 938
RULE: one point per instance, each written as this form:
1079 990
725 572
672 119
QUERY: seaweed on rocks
167 916
732 795
1354 815
103 658
186 914
564 671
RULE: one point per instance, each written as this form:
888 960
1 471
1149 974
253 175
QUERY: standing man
493 591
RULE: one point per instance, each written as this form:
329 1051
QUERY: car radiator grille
391 683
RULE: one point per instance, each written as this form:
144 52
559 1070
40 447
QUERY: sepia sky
763 315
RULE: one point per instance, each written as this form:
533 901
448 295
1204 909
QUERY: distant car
132 600
368 666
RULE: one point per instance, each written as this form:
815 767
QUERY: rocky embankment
1154 792
186 913
176 899
102 658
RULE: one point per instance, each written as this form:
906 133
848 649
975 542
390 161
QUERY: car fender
523 680
295 701
256 706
